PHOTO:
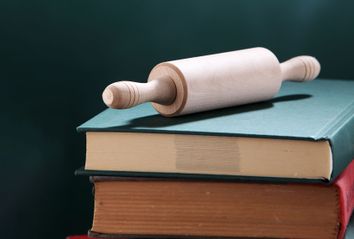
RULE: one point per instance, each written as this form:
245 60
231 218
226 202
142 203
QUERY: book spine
345 185
341 138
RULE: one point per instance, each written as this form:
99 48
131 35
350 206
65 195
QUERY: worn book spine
341 137
345 185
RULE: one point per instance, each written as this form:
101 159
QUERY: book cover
321 110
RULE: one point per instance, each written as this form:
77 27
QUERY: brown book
150 208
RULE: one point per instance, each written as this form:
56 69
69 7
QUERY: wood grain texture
215 209
211 82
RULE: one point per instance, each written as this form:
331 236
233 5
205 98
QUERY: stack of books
277 169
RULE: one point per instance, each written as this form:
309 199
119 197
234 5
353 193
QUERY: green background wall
56 57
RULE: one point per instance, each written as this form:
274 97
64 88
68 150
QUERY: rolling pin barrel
211 82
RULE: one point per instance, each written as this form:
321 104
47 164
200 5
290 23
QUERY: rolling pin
211 82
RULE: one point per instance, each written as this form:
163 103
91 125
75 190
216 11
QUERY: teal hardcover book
305 132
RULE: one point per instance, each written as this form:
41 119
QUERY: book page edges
203 154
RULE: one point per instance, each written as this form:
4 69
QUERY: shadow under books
157 120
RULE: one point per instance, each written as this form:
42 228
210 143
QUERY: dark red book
345 189
79 237
345 185
170 208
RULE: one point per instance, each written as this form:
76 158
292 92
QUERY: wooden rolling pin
211 82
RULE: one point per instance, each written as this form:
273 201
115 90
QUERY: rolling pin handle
300 68
126 94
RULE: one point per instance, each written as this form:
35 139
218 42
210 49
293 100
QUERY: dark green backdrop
56 57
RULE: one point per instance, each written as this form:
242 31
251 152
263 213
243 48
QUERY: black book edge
104 175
